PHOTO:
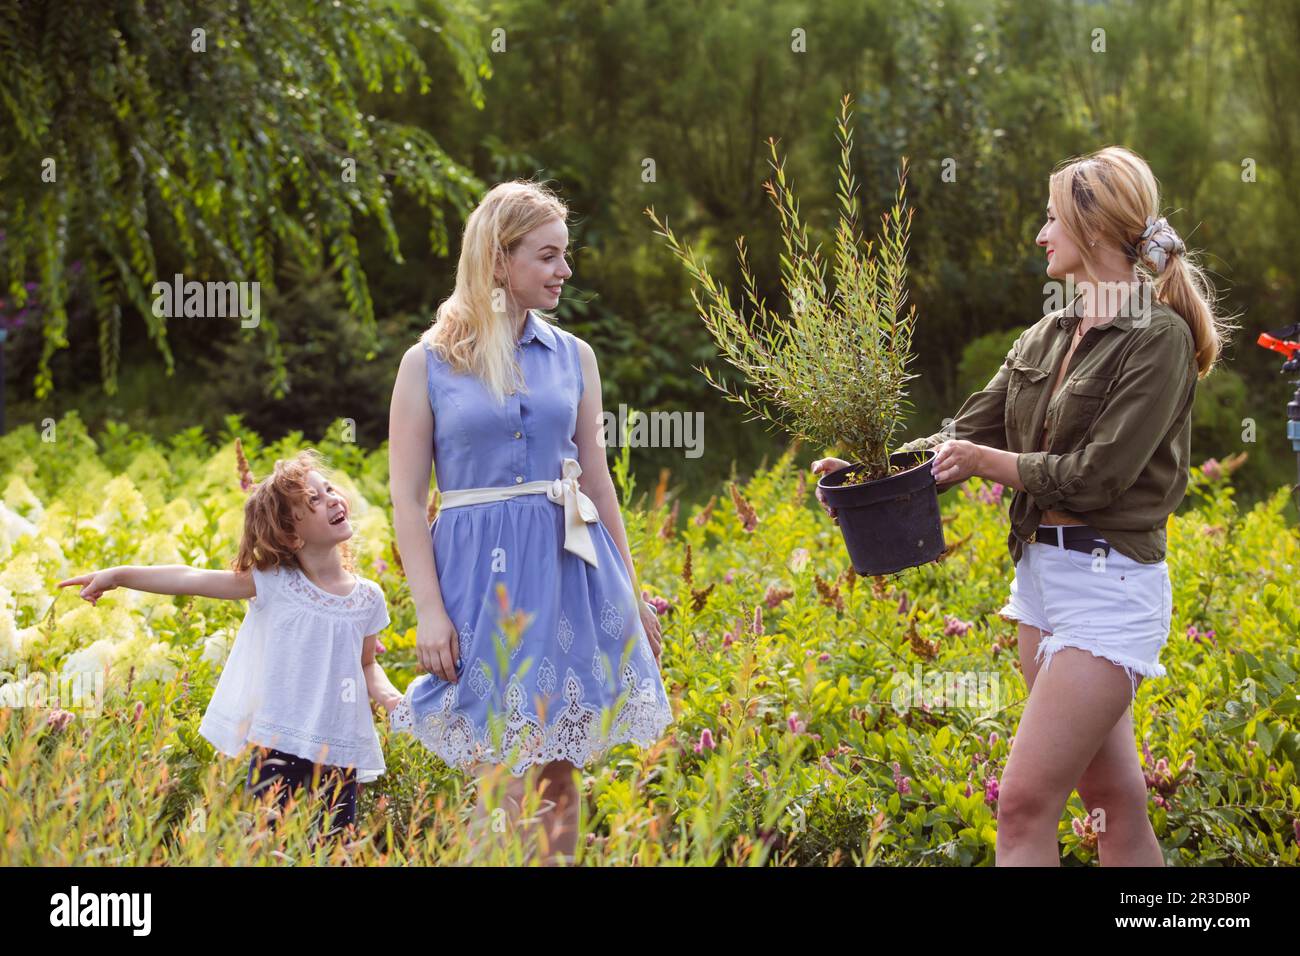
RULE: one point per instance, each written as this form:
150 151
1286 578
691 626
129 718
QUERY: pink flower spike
955 626
139 711
824 657
705 742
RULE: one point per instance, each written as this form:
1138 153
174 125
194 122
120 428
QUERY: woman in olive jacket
1089 420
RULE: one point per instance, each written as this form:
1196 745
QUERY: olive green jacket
1119 427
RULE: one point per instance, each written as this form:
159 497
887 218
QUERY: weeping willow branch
218 139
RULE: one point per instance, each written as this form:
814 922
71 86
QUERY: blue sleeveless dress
582 676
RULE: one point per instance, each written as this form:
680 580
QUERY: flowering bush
817 716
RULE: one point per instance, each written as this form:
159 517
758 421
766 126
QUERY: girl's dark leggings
336 788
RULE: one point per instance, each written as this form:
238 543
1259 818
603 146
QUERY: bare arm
1001 466
166 579
381 689
595 480
410 465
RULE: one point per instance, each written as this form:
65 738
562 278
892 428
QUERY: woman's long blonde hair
471 331
1107 196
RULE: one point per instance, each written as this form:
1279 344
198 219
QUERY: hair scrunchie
1158 244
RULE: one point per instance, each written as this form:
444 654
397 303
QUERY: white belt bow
579 510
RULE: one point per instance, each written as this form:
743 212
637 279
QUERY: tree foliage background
226 164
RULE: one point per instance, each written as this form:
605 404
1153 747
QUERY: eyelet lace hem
574 735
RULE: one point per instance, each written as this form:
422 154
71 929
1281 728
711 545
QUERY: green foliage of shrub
797 739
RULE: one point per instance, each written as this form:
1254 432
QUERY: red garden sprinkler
1287 341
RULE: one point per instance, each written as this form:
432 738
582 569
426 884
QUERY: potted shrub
833 370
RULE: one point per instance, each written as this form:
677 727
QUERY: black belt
1078 537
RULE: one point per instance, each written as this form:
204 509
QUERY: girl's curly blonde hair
268 540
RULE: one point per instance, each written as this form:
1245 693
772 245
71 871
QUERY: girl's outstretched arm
165 579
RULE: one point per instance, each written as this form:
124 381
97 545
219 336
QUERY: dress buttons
518 479
519 434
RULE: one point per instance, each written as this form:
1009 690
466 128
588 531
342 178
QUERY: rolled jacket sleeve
981 419
1146 399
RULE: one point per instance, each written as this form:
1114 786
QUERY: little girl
293 684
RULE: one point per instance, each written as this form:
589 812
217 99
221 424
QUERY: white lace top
293 680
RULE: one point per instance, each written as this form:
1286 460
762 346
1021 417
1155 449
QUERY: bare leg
489 823
1111 783
1071 710
559 812
1115 794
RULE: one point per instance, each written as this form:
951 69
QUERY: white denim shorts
1109 605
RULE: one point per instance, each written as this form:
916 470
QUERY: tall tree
214 137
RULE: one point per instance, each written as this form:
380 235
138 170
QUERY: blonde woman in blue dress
505 407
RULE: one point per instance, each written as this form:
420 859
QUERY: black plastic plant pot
891 523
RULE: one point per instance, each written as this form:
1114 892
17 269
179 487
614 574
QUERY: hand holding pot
955 461
824 466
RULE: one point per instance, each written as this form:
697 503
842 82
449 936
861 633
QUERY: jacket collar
539 329
1067 319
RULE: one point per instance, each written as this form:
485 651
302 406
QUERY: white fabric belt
579 510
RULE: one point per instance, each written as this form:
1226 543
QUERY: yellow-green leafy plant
833 370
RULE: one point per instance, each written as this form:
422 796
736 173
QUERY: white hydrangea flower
151 662
216 646
87 623
23 580
122 502
92 659
153 610
10 643
20 499
28 638
157 548
18 693
13 526
97 523
175 512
